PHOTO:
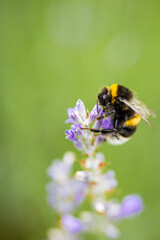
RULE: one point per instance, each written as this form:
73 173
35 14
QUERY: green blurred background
51 54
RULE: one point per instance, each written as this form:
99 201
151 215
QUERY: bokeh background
52 53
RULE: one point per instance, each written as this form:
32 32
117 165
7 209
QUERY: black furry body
121 115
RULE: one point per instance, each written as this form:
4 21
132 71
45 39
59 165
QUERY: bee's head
104 97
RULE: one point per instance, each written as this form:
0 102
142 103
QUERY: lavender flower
66 198
78 114
64 193
72 224
131 205
85 140
93 183
107 123
60 170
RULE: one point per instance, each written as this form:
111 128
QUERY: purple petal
59 171
58 198
72 224
78 144
93 115
74 117
98 124
67 121
109 178
70 120
66 197
110 174
76 130
100 156
69 110
70 135
81 109
108 123
99 140
130 206
80 190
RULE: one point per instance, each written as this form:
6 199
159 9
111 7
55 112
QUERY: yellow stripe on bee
114 91
133 122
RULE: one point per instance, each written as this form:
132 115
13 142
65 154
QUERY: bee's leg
92 130
116 123
107 131
106 114
103 131
116 128
101 117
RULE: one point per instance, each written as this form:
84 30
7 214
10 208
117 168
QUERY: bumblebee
125 110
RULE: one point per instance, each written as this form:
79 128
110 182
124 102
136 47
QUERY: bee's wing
138 107
143 107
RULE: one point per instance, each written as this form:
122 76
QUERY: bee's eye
103 96
103 99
